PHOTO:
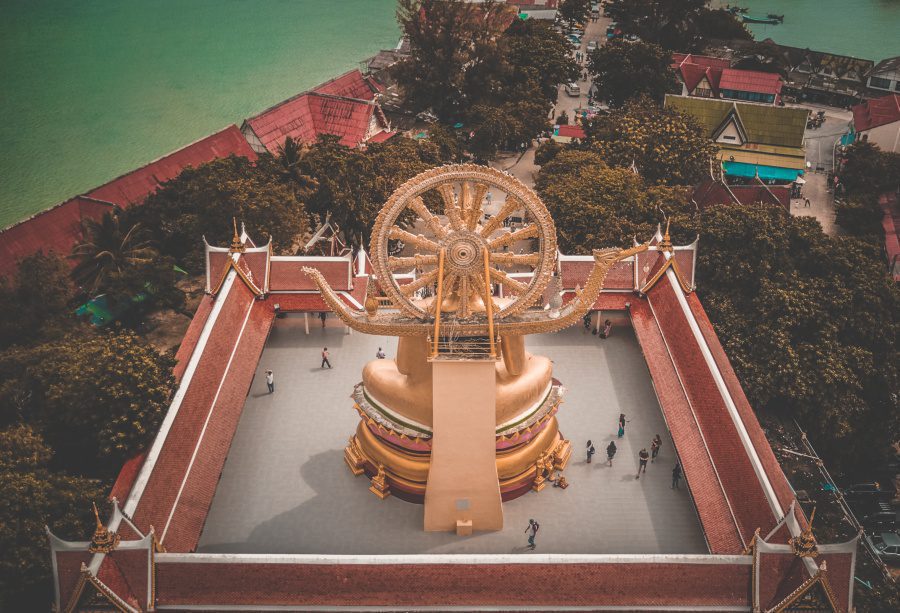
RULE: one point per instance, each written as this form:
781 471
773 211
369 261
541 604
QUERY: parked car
572 89
870 491
592 45
875 516
886 546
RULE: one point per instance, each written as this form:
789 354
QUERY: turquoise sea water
90 89
868 29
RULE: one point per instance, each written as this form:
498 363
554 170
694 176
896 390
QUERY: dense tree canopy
866 169
96 399
37 302
623 70
574 11
202 202
480 65
596 206
34 497
809 321
665 146
669 23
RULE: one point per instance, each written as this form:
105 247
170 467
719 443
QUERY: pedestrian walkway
285 487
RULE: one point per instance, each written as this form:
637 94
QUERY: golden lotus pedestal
459 436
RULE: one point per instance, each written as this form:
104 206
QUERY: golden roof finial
804 545
237 245
666 243
103 540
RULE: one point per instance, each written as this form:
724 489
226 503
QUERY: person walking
323 315
325 358
807 203
379 354
643 456
676 475
590 451
607 328
270 381
611 450
533 528
622 421
654 447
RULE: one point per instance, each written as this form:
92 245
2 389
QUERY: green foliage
97 400
480 65
574 11
451 41
202 202
809 323
719 24
665 146
624 70
546 152
866 169
37 303
353 184
34 497
673 24
596 206
861 217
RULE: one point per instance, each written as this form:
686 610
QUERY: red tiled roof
309 115
382 136
351 84
175 455
68 572
750 81
709 498
571 131
877 112
692 74
767 458
287 275
55 230
127 475
189 342
711 192
134 187
460 585
742 487
111 576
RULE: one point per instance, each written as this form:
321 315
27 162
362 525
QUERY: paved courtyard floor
285 487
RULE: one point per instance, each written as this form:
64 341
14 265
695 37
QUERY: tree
110 246
535 53
665 146
719 24
671 24
354 184
809 323
574 11
37 303
451 41
624 70
290 154
203 201
546 152
34 497
868 170
97 400
596 206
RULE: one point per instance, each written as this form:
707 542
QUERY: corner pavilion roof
744 502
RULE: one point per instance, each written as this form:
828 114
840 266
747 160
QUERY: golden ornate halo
464 235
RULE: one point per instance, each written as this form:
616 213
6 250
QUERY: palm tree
290 154
111 245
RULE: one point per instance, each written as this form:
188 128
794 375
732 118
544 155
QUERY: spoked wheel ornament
459 248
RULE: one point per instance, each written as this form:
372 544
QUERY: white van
572 89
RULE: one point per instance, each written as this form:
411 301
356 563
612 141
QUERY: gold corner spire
237 245
103 540
804 545
666 243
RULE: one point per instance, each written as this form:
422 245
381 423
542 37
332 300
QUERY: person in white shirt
379 354
270 381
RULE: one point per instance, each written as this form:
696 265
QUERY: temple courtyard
286 489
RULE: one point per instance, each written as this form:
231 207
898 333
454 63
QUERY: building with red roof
58 229
878 121
718 191
712 77
761 553
345 107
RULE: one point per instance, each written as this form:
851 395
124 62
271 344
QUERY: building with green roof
753 139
